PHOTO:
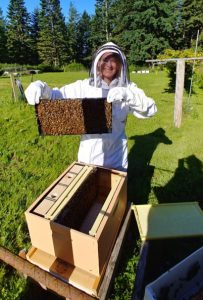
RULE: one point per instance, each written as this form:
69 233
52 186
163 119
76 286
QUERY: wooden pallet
68 291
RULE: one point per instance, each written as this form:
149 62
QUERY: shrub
131 68
199 78
49 68
171 66
74 67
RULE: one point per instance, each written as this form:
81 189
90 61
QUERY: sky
80 6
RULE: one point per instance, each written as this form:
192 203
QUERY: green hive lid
156 221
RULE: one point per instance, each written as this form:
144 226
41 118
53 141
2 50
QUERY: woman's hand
119 94
36 90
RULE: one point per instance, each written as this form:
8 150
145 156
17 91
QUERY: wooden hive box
78 217
74 116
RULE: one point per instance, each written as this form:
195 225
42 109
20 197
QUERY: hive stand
54 284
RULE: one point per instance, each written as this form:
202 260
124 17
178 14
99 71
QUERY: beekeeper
108 78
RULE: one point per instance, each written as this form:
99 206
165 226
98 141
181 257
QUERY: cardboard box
182 282
78 217
74 116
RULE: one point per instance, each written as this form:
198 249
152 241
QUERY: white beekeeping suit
109 149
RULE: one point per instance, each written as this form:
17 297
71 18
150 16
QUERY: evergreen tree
144 28
175 39
52 41
102 23
18 33
122 23
83 39
34 33
3 49
192 21
72 32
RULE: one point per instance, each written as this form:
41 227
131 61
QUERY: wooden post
180 77
13 87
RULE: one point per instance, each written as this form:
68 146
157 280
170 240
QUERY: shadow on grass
140 171
185 185
35 291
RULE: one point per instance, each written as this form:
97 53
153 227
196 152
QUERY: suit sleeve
139 104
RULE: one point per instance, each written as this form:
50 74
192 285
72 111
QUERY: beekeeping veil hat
109 47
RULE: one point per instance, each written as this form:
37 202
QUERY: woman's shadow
185 185
140 171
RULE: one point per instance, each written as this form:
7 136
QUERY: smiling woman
108 79
109 66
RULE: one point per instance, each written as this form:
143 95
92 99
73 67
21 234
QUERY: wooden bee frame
74 116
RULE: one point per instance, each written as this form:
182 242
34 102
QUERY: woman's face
109 67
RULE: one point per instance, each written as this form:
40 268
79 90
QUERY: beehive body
78 217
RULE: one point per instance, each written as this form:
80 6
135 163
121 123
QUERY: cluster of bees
74 116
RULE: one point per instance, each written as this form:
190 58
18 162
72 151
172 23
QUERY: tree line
142 28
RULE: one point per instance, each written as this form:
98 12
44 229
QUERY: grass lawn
165 165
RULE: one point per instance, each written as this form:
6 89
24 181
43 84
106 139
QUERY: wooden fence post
13 87
180 77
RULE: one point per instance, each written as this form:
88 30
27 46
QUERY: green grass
165 165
